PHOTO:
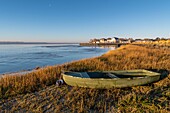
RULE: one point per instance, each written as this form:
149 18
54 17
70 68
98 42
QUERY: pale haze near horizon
81 20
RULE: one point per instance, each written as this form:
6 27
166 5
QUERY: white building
113 40
103 40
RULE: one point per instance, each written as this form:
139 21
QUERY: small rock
59 82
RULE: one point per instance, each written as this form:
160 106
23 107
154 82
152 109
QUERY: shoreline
34 68
17 73
24 72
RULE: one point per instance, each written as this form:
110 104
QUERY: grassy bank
162 43
38 94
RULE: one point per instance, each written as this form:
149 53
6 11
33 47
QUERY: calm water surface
14 58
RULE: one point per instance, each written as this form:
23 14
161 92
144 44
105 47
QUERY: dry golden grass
12 85
163 43
46 97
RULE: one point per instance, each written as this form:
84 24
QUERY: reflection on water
109 47
15 58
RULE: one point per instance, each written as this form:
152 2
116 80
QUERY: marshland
37 92
41 39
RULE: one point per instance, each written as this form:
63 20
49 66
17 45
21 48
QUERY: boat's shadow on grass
164 73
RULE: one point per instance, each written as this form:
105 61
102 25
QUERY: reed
38 94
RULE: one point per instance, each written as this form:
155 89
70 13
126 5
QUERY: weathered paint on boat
110 79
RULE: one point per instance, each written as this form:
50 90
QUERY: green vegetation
36 92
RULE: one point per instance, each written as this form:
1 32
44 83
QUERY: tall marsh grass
18 84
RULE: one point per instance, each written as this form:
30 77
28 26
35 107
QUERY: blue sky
80 20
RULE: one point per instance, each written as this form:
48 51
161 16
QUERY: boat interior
106 75
113 75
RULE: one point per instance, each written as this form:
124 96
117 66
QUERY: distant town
113 40
125 40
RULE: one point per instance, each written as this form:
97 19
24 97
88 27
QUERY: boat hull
104 83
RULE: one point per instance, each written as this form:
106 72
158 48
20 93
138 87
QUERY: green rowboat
110 79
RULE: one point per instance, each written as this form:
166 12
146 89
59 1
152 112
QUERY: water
19 57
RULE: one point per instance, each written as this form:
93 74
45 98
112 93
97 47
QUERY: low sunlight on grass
36 91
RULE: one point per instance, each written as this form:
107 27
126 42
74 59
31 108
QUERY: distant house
103 40
94 41
109 40
131 40
113 40
148 40
124 40
138 40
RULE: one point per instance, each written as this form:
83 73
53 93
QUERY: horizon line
32 42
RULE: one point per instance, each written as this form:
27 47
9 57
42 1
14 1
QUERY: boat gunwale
147 76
